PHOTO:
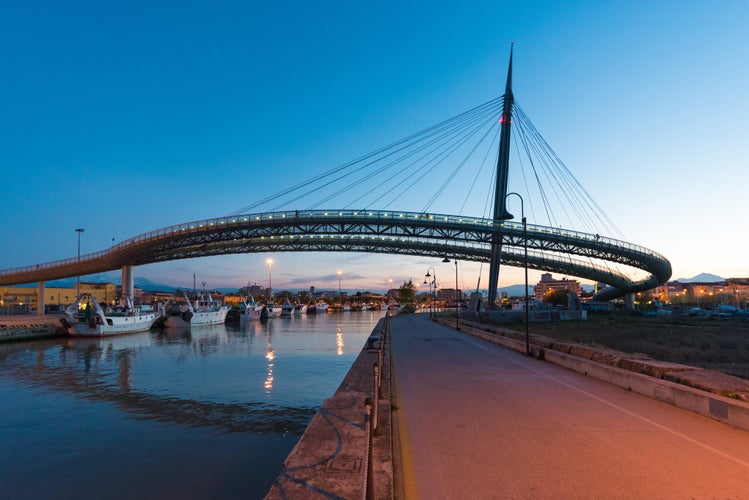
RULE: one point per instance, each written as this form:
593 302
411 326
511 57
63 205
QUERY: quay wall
29 327
346 451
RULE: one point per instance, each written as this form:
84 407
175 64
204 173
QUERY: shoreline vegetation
720 344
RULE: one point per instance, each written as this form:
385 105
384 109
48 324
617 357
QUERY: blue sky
126 117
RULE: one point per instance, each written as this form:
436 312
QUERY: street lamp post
525 264
457 303
457 300
270 278
78 284
340 299
430 295
432 282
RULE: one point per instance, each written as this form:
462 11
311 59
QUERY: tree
407 297
557 297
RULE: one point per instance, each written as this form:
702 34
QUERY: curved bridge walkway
407 233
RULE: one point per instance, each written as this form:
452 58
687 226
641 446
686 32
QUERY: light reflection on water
210 412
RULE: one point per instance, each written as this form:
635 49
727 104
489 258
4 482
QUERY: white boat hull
199 318
249 310
272 311
251 315
300 309
115 325
92 321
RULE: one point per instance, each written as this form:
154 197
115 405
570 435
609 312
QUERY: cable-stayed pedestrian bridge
624 266
382 179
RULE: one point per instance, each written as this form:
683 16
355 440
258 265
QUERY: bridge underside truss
404 233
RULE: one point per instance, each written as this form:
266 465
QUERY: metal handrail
628 251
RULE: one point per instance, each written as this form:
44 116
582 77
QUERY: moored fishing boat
286 308
249 310
86 317
271 310
205 311
300 308
321 307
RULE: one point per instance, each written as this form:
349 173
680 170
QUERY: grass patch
720 344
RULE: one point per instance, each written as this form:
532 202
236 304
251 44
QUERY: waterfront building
728 291
448 295
152 297
24 298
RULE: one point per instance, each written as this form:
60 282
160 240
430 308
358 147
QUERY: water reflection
178 335
227 401
270 356
339 338
160 376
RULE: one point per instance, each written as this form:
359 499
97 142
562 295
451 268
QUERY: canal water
210 412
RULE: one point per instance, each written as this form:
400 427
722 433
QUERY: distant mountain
514 290
150 286
142 283
702 278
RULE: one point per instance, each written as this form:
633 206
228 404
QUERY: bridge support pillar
40 298
128 284
494 271
629 302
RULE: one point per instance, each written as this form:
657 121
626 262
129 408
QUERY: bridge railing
420 218
56 263
389 215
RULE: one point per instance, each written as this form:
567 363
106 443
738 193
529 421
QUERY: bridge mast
500 191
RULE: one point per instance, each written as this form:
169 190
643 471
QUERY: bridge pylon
128 283
500 190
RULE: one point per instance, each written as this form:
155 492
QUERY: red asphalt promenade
475 420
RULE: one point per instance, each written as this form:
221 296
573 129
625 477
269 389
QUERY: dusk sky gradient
126 117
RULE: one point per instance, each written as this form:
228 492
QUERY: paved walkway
475 420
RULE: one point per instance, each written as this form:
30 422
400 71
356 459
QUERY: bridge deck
478 420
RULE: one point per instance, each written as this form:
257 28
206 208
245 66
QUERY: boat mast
500 190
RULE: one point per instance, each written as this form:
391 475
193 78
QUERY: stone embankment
706 392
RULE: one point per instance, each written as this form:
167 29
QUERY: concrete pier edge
15 328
